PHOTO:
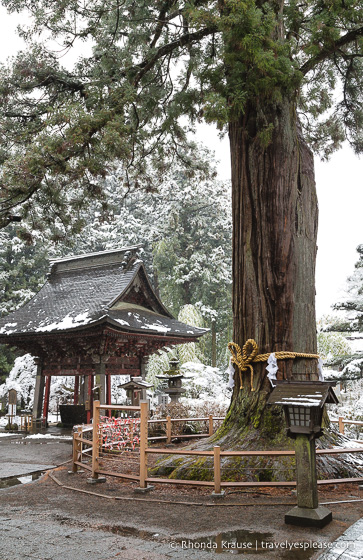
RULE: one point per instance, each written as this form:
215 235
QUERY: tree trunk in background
214 344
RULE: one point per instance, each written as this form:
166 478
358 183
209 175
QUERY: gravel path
44 520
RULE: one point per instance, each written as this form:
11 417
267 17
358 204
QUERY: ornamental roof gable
87 290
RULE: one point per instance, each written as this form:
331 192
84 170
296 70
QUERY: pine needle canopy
141 66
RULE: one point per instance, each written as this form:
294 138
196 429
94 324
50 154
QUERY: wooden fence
84 445
26 422
341 423
168 421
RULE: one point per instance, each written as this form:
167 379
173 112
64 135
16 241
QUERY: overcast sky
339 185
340 192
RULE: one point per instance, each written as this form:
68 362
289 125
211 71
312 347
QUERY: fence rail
95 445
341 423
168 421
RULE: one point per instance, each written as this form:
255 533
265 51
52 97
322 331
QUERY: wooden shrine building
96 316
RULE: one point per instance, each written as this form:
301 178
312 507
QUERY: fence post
95 439
217 471
143 446
341 425
168 429
210 424
75 450
80 444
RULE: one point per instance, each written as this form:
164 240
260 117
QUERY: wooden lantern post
303 404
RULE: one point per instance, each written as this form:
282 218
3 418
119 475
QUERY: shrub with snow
204 383
350 407
22 379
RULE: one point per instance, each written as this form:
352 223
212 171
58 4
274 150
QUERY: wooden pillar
95 439
217 469
100 381
307 513
168 429
210 431
77 449
39 391
89 398
143 443
46 398
108 393
82 397
306 480
76 389
143 363
341 424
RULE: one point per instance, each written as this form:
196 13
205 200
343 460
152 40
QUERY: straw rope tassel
249 353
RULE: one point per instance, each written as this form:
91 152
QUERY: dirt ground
61 516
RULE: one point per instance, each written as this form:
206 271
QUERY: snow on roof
136 381
87 290
314 393
96 254
66 323
301 401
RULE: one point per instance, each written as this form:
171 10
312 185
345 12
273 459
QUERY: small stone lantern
174 379
135 390
303 404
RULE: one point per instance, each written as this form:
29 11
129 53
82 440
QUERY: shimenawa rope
243 360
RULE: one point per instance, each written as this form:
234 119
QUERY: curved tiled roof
88 290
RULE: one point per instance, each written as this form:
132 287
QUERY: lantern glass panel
299 416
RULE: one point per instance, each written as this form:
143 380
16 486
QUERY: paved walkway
349 546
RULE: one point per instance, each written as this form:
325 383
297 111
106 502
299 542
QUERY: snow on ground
5 420
48 436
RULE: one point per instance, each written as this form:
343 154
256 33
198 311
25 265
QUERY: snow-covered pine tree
349 320
332 345
204 240
185 353
193 256
352 302
192 352
23 266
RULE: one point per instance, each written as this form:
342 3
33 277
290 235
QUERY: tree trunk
275 215
214 344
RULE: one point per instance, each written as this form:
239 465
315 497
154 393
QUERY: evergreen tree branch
328 51
184 40
161 22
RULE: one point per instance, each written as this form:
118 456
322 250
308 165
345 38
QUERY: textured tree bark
275 215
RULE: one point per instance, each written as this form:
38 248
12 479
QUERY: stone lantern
135 390
174 379
303 404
